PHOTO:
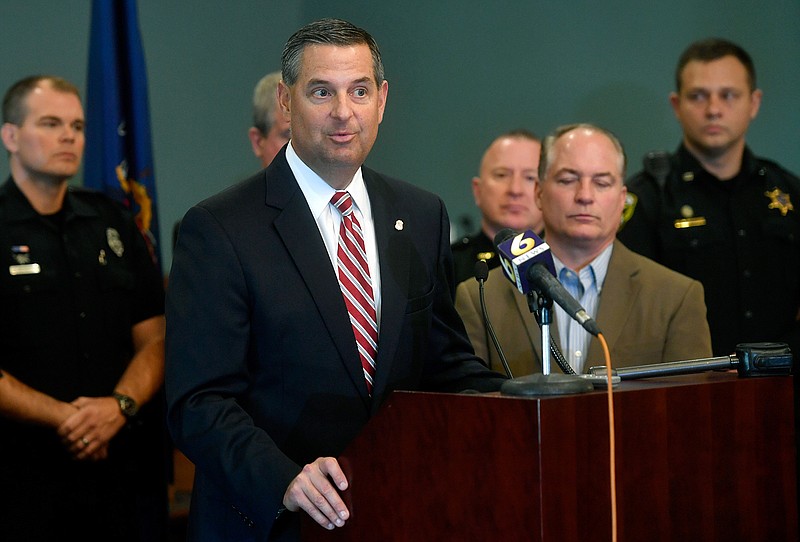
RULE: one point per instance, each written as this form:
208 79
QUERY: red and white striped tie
356 285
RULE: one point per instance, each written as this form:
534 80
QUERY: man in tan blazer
647 313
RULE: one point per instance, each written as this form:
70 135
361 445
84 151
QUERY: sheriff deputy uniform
739 237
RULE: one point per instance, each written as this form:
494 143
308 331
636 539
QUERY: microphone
481 274
481 271
528 263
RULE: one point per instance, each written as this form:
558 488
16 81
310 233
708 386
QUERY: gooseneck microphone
528 263
481 274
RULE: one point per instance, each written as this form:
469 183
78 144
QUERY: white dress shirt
318 196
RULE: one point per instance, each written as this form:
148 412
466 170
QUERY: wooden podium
700 457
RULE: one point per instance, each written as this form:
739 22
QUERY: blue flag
119 155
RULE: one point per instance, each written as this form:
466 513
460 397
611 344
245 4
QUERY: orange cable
611 439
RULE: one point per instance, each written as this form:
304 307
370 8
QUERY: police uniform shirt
72 286
72 293
740 238
468 251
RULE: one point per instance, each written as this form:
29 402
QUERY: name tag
690 222
25 269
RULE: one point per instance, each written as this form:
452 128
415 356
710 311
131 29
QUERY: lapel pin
398 225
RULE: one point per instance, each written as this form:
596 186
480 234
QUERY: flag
119 157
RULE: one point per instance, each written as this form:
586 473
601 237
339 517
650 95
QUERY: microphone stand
545 318
544 383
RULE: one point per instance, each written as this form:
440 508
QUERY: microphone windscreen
503 235
481 270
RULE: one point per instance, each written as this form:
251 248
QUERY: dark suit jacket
263 375
647 313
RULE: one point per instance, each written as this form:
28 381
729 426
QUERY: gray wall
459 73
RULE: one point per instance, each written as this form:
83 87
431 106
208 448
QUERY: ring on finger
85 441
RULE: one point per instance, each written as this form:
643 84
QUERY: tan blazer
647 314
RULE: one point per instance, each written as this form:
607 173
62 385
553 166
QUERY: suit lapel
298 230
393 250
619 293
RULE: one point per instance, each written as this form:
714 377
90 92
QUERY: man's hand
313 490
88 431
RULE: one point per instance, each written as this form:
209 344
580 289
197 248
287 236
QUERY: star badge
779 200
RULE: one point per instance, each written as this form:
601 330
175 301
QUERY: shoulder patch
627 210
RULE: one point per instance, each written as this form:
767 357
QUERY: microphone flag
518 252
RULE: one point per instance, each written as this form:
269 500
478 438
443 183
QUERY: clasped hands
87 431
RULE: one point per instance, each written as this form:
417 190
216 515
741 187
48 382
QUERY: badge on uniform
627 210
21 254
114 242
779 200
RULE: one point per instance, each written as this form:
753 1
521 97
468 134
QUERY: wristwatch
127 405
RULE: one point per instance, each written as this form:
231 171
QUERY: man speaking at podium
300 298
646 312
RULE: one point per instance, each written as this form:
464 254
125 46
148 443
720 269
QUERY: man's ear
254 134
476 190
383 94
675 102
755 102
537 193
284 99
9 134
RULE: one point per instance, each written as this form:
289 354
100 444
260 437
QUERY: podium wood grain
707 457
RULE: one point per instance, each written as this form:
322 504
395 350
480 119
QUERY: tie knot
341 200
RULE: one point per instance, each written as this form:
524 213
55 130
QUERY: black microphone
503 235
528 263
481 274
481 271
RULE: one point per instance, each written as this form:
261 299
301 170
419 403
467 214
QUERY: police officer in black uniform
82 341
717 213
504 194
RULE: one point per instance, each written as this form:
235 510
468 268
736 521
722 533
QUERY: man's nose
516 183
714 106
341 106
584 191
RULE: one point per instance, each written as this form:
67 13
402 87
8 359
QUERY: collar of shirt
574 339
318 193
318 196
684 162
597 268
